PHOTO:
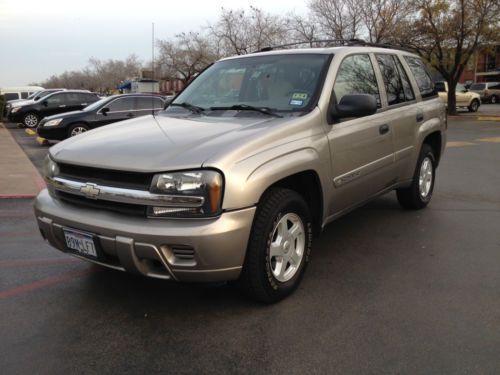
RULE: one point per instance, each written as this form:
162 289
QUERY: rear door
148 105
403 113
361 148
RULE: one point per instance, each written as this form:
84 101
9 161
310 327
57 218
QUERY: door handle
420 117
383 129
62 106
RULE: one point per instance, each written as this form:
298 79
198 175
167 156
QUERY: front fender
250 178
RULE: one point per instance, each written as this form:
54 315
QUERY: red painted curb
17 196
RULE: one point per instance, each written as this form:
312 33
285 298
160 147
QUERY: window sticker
299 96
296 102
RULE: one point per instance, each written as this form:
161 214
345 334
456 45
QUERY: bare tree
383 19
185 56
448 32
303 29
338 19
239 32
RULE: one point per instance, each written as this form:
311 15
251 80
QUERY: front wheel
419 193
279 246
30 120
474 106
77 129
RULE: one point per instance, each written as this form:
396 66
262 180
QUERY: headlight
15 109
53 122
194 193
50 168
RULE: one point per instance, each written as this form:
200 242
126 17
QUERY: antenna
152 67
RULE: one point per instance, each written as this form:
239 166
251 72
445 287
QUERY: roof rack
335 43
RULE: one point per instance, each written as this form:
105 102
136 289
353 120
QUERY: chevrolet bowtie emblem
90 191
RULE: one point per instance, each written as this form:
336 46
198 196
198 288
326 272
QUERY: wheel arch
435 140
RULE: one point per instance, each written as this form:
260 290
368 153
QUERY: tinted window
408 90
423 79
440 87
11 96
356 76
57 99
24 95
392 82
122 104
85 98
149 103
495 86
477 86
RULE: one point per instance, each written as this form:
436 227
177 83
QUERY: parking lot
387 291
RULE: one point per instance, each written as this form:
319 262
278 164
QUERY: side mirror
355 105
465 90
105 111
45 103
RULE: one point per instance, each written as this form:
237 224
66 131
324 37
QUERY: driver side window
356 76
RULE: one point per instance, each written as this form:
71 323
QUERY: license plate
81 243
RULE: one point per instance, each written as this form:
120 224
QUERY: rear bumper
202 250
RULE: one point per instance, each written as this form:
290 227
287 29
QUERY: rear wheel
279 246
494 99
474 106
77 129
419 193
30 120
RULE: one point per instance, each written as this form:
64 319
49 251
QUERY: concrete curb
19 178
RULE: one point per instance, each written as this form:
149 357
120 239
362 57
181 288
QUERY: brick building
483 67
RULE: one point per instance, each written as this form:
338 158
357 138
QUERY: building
483 67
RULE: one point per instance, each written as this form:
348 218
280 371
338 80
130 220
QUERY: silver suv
251 161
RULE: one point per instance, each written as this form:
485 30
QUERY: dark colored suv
106 111
52 104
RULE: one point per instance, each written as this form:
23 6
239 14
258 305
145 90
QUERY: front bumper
52 132
199 250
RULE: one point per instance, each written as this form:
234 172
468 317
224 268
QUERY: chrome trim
364 170
131 196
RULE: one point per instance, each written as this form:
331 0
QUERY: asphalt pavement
387 291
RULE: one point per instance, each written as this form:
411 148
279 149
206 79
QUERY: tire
474 106
77 129
31 120
419 193
278 248
494 99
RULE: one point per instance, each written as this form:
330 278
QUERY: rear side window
24 95
356 76
149 103
494 86
424 81
477 86
396 82
122 105
11 96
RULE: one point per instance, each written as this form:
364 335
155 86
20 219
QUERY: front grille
108 177
123 208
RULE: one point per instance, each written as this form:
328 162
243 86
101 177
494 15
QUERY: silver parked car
251 161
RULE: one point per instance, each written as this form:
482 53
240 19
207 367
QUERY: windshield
42 94
97 104
278 82
33 95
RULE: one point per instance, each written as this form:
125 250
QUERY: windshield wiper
245 107
193 108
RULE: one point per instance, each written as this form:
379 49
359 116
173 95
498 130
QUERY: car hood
155 144
21 102
64 115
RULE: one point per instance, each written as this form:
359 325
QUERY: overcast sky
39 38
